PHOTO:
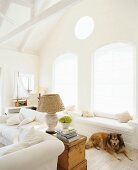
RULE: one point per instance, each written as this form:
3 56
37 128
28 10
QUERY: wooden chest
73 157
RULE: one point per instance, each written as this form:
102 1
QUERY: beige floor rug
100 160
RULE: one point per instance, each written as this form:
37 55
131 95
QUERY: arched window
114 78
65 78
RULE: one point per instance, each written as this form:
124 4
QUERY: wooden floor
100 160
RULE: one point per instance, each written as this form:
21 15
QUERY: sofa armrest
33 157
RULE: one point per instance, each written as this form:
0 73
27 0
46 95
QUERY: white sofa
41 156
89 125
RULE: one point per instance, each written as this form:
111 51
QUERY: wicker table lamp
51 103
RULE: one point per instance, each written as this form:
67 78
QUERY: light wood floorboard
100 160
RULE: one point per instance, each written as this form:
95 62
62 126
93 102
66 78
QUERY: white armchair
42 156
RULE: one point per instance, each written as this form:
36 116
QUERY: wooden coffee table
73 157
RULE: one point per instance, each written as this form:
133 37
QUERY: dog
111 142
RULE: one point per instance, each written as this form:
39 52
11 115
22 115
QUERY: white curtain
23 83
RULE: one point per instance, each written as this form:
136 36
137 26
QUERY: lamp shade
50 103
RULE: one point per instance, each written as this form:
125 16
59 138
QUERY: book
66 131
68 135
67 140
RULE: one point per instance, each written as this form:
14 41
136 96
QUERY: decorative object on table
67 135
65 121
51 103
20 94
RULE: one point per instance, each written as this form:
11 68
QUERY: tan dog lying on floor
111 142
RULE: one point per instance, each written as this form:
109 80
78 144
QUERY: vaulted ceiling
26 24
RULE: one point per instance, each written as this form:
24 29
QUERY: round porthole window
84 27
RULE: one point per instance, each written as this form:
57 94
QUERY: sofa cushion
105 115
40 117
13 120
123 117
27 138
27 113
30 136
2 127
11 133
106 123
26 121
87 114
3 118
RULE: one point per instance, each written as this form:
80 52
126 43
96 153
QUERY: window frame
134 74
76 81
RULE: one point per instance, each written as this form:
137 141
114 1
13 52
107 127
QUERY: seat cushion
29 113
105 115
11 133
106 123
2 127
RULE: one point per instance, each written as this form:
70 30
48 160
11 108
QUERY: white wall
11 62
115 20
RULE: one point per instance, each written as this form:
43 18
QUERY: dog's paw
119 159
87 146
130 159
97 148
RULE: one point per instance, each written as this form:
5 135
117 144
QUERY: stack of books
67 135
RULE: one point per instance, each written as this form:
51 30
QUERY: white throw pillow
27 138
40 117
123 117
105 115
3 118
26 121
87 114
21 116
14 120
26 113
30 136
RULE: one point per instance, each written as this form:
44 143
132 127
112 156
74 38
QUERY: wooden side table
73 157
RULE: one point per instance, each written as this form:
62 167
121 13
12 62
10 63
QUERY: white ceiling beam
44 15
23 3
25 39
6 18
29 51
5 6
28 34
32 12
